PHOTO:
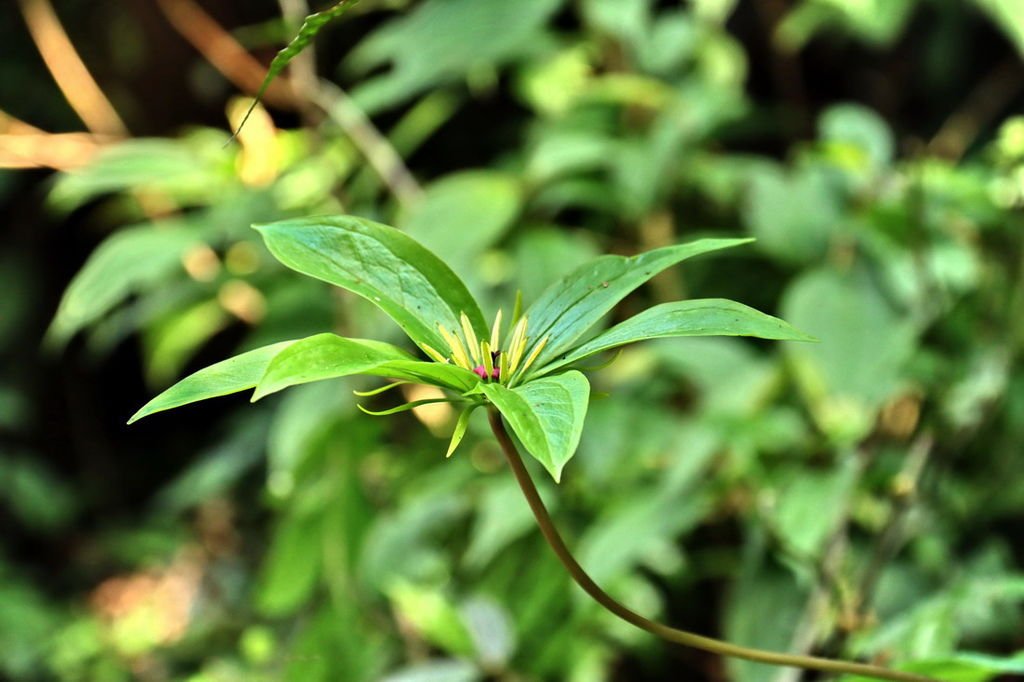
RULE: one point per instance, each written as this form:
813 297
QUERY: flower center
484 357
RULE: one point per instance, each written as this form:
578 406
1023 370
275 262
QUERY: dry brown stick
69 71
224 52
60 151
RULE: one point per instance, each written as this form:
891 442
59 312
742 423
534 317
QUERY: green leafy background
862 496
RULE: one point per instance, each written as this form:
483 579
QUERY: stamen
434 355
496 330
458 352
485 351
533 355
474 345
517 309
517 346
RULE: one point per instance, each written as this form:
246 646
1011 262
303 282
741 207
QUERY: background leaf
126 264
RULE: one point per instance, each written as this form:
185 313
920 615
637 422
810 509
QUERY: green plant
527 376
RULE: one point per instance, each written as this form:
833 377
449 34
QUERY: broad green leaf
126 263
228 376
172 341
307 32
327 356
547 415
860 128
961 667
185 170
761 594
570 306
388 268
699 317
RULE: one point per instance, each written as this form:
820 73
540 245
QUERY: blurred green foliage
862 496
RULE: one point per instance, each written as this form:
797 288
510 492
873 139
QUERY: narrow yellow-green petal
471 341
496 331
503 370
434 354
518 345
485 352
458 351
533 355
517 309
460 429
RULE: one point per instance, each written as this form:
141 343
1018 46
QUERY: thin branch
826 585
991 96
69 71
547 528
224 52
238 66
60 151
22 145
378 152
893 536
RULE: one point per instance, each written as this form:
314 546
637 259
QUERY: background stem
547 528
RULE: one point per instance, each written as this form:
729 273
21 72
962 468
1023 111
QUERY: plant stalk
709 644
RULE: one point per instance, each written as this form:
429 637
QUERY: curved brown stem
715 646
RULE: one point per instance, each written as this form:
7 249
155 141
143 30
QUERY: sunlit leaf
570 306
699 317
328 356
408 282
228 376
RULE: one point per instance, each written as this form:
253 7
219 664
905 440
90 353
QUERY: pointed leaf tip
235 374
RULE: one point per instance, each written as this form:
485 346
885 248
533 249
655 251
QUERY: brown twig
224 52
242 69
302 68
893 537
69 71
60 151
